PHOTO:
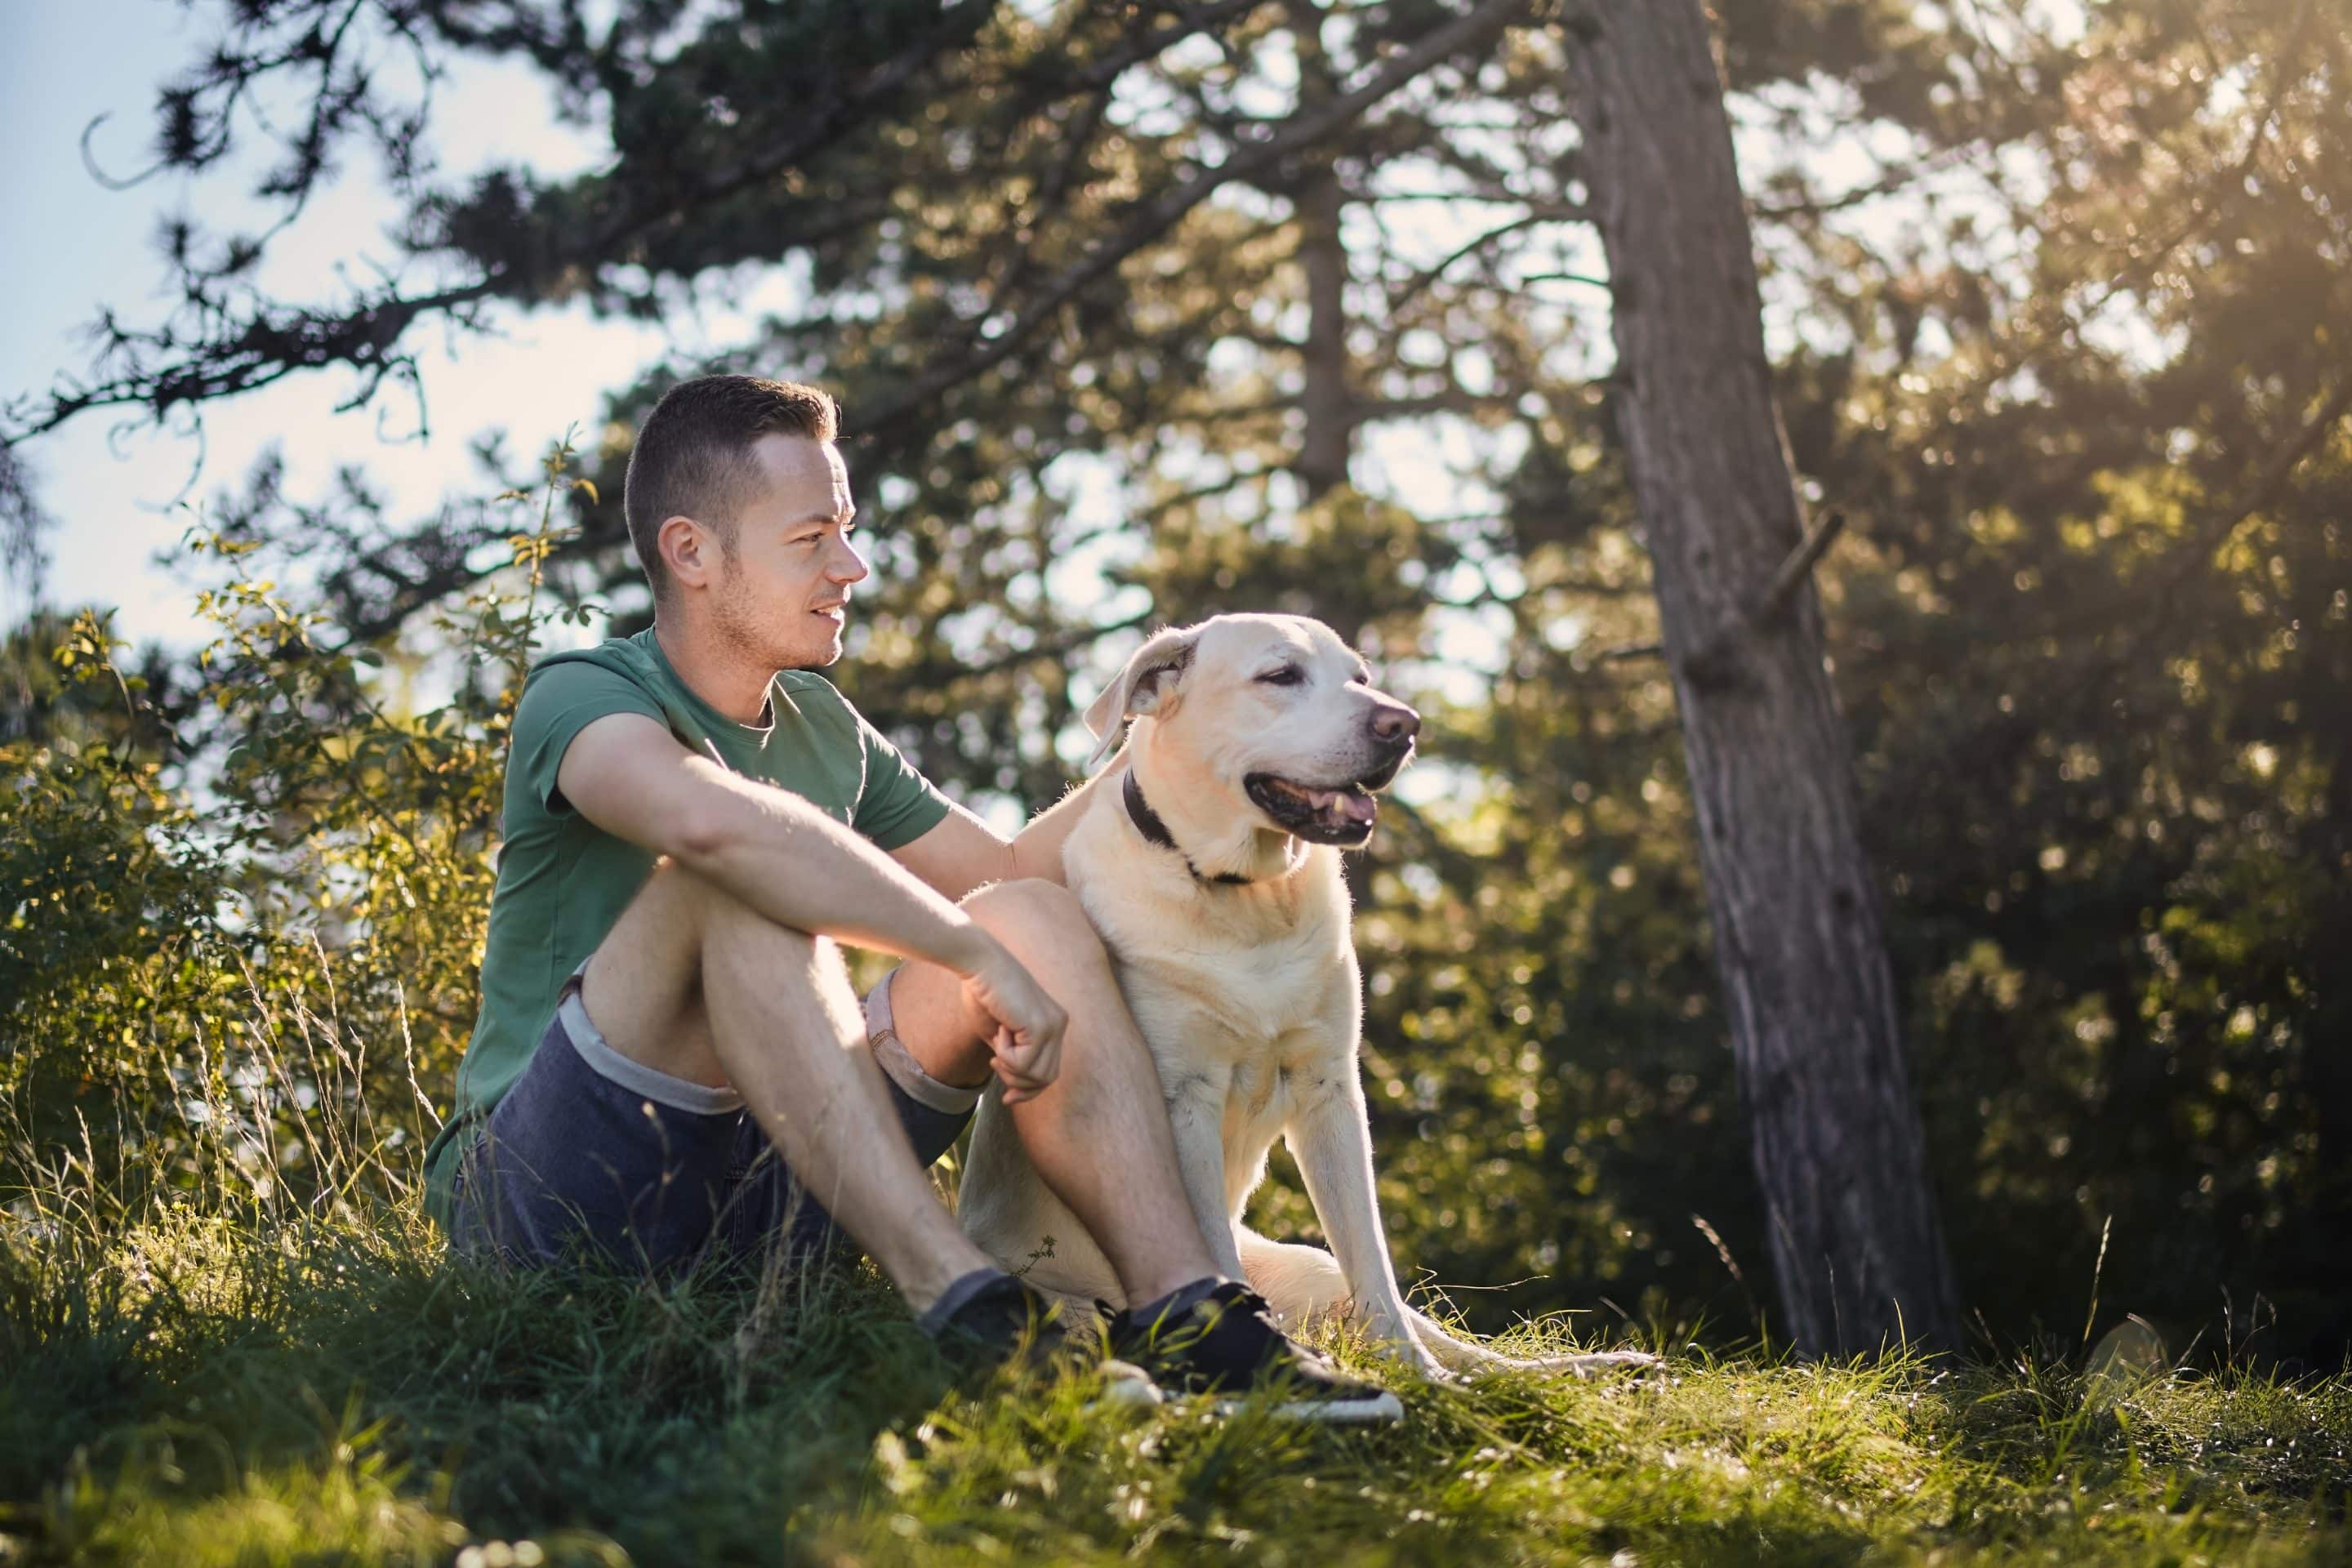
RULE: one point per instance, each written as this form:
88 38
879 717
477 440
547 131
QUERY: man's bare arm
783 858
963 852
768 847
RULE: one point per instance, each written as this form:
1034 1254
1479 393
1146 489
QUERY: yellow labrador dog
1210 862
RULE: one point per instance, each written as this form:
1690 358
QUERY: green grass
182 1386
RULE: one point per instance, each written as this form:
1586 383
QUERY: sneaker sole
1124 1383
1381 1409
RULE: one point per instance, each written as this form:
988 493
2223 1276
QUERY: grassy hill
195 1380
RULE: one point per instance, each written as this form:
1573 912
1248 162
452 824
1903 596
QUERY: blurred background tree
1143 311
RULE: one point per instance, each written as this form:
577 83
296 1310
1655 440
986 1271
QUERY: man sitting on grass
670 1063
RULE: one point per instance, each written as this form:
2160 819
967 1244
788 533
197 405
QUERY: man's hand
1027 1046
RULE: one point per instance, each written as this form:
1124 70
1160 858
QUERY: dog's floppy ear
1146 686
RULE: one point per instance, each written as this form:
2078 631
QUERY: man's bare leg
693 984
1099 1135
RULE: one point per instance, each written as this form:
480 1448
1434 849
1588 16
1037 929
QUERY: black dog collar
1155 833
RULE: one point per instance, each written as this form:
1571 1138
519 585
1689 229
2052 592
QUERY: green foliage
167 964
110 884
2094 652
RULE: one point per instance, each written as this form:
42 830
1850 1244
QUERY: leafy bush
268 912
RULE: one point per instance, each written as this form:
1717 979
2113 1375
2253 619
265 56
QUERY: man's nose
848 567
1393 724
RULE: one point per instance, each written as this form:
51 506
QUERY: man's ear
686 549
1149 684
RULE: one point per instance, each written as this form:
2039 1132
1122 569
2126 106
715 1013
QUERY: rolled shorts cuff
891 1054
899 1064
662 1089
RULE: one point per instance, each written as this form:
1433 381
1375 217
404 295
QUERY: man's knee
1030 910
677 912
674 893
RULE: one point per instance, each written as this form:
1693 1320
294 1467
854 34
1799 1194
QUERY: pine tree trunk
1325 399
1857 1252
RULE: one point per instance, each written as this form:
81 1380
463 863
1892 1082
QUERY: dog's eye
1288 675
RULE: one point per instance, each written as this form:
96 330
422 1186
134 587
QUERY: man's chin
815 656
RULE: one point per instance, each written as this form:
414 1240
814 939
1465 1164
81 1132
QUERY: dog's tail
1303 1283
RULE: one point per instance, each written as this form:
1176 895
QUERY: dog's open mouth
1342 815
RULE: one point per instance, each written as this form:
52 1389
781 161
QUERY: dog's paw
1414 1362
1408 1355
1594 1363
1582 1364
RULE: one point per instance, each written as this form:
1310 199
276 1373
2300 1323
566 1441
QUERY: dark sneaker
1007 1324
1004 1324
1221 1341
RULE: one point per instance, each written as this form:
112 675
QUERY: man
670 1062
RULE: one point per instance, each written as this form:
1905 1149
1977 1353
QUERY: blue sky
71 245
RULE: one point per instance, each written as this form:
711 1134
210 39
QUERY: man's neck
713 672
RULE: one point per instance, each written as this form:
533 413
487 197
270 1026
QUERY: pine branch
1477 26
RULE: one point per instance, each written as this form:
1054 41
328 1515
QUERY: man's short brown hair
693 456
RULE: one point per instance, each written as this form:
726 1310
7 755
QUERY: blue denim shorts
593 1155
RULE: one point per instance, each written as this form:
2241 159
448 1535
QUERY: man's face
783 593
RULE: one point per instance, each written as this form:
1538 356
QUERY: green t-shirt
563 882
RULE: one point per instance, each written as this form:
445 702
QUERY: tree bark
1857 1251
1325 398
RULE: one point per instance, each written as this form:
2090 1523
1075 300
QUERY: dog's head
1269 718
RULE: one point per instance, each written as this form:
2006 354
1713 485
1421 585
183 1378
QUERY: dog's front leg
1330 1137
1196 1113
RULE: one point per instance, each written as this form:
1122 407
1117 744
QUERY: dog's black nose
1395 723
